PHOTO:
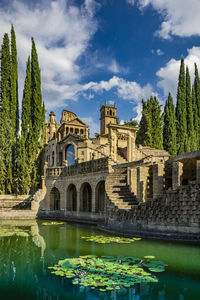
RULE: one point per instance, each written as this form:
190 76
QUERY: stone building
112 180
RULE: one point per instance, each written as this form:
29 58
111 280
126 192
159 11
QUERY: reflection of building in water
23 228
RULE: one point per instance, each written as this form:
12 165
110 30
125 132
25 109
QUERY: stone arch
71 204
86 197
54 199
70 154
100 196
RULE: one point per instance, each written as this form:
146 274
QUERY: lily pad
52 223
100 239
107 273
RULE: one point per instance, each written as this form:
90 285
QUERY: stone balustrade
97 165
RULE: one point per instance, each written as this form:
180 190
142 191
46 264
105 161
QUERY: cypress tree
181 111
169 128
36 96
5 118
35 134
144 134
196 105
26 104
14 105
190 146
157 139
22 168
195 118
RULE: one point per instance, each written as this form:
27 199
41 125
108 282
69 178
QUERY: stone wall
176 215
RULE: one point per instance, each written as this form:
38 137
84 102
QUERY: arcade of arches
80 198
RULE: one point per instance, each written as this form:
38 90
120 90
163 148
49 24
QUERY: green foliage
6 138
157 140
107 273
20 162
181 113
196 106
169 128
150 129
191 143
144 134
131 123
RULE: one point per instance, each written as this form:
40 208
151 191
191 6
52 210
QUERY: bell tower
108 116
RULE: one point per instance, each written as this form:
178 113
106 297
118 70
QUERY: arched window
71 198
86 197
110 112
70 155
54 199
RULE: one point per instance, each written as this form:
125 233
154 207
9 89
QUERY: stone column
142 173
177 173
158 172
113 145
130 147
198 171
93 200
133 181
78 195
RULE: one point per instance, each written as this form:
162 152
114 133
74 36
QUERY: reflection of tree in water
18 263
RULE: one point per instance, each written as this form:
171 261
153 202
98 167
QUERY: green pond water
28 248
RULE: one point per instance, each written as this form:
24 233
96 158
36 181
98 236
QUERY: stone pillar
93 200
130 147
78 195
133 181
177 173
113 145
198 171
142 173
158 172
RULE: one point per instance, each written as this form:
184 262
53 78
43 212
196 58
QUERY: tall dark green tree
14 102
190 146
169 127
26 104
157 138
144 134
196 106
36 96
5 119
23 172
181 111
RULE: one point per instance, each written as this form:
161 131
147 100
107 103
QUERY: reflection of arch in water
70 155
86 197
54 199
71 198
100 196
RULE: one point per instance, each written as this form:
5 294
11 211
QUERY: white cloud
129 90
159 52
180 17
62 33
169 74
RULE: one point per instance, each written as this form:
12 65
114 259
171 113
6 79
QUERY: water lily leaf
107 272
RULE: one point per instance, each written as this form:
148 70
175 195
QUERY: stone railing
54 171
91 166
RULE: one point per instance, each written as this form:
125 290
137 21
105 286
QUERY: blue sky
115 50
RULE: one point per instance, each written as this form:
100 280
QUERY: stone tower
51 126
108 116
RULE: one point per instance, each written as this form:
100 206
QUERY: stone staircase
118 191
20 207
121 159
